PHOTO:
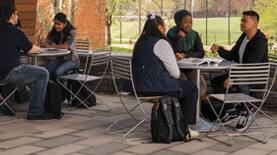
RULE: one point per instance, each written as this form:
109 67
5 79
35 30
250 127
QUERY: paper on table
213 60
50 50
198 61
192 61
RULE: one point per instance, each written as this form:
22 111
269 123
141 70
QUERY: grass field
217 30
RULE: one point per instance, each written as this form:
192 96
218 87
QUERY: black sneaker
40 117
243 122
229 115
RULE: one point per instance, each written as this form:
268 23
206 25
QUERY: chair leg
75 96
4 100
101 101
133 128
218 121
252 116
259 110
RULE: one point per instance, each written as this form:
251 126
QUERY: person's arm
61 46
231 55
164 52
35 50
71 42
198 49
24 44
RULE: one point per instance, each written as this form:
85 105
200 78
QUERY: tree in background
268 22
117 7
110 10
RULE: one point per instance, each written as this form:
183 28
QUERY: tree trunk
109 34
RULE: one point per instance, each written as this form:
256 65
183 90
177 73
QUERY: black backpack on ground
53 100
167 122
83 95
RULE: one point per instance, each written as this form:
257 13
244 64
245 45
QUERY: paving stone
76 154
122 153
15 125
106 149
99 140
54 142
13 134
221 147
27 149
147 148
90 132
54 133
273 153
189 147
64 149
17 142
249 151
167 152
269 146
87 124
208 152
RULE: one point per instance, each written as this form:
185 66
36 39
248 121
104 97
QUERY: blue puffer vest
149 73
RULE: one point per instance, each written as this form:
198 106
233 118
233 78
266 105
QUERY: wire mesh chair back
99 57
250 74
273 58
83 45
121 68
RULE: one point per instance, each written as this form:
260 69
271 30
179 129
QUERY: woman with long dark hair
155 69
62 35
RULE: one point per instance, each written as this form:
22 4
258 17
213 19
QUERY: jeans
26 74
59 67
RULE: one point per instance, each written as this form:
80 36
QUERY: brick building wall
90 21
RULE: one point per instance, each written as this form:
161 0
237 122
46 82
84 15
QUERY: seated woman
187 43
62 36
155 70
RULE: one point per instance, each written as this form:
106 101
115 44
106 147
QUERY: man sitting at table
251 47
12 41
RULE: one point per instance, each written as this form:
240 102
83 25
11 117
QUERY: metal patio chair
122 70
256 74
93 59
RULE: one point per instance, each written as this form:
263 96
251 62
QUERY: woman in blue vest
155 69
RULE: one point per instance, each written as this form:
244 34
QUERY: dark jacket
196 51
256 50
149 73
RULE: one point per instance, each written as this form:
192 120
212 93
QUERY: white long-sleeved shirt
164 52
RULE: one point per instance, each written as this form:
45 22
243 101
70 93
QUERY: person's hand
35 50
180 56
227 84
214 48
181 34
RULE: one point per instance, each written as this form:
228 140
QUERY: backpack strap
185 135
166 109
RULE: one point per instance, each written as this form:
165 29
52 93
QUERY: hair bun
151 15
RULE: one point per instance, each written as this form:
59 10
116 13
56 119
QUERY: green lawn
217 30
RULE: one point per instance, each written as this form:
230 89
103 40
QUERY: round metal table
202 125
49 53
